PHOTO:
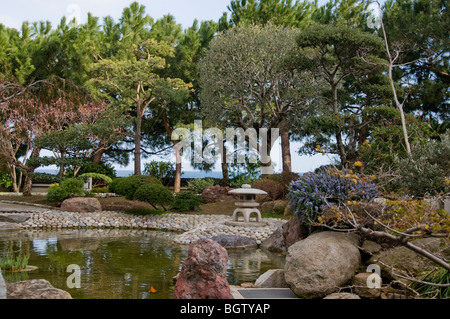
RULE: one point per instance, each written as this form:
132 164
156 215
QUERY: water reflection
119 264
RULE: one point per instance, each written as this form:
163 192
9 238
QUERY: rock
275 242
232 241
322 262
217 193
370 247
203 273
14 218
288 210
361 288
81 205
293 231
404 259
2 286
4 226
273 278
342 295
35 289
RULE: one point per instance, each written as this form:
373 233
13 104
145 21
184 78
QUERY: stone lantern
247 203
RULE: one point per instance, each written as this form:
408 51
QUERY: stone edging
193 227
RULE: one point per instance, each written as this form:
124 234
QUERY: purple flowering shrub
309 194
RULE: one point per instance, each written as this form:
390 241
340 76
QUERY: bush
163 171
71 187
101 168
312 191
199 184
186 201
275 190
127 186
427 170
154 194
56 194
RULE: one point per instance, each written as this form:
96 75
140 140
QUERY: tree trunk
338 133
28 181
225 175
286 152
177 183
97 158
137 143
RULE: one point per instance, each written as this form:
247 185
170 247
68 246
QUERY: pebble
192 227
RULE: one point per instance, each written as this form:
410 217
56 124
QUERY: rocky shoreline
191 227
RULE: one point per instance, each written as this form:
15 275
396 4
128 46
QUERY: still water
119 264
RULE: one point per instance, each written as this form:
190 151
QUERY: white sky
14 12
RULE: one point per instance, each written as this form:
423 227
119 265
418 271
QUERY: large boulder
217 193
293 231
203 273
81 205
321 263
404 259
35 289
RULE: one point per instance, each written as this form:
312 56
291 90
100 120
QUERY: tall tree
246 83
334 54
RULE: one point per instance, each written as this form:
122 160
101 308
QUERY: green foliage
98 179
13 262
186 201
154 194
45 178
71 187
104 168
5 180
163 171
427 170
440 276
127 186
275 190
197 185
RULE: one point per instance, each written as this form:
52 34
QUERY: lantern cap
247 190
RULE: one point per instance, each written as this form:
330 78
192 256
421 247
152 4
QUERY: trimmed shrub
127 186
310 193
186 201
154 194
199 184
71 187
275 190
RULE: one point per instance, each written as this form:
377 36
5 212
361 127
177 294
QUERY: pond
117 263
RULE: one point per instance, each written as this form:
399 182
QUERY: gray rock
35 289
4 226
361 288
342 295
275 242
2 286
232 241
370 247
14 218
273 278
319 264
404 259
